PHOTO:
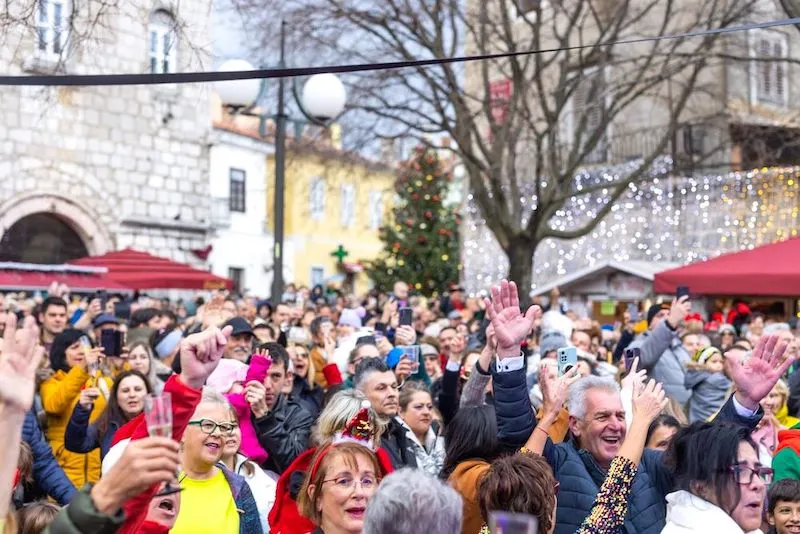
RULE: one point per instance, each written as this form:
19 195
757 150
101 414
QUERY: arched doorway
41 238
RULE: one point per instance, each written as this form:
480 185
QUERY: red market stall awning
33 277
140 270
769 270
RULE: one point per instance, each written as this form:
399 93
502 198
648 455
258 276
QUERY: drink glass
158 416
508 523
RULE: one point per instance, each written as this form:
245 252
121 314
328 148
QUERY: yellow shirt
207 506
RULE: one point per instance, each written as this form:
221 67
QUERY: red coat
184 403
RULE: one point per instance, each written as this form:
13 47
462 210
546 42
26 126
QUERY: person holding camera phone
74 360
663 355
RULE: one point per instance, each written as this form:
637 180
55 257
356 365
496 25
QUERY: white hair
577 393
774 328
212 396
410 500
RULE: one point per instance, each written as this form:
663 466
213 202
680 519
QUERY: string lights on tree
664 219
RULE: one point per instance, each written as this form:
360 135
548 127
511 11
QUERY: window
51 26
586 113
317 276
347 209
162 43
375 210
769 74
317 199
236 274
237 196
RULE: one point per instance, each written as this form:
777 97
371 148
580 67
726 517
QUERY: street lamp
323 99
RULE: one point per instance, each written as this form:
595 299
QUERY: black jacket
283 433
310 399
398 446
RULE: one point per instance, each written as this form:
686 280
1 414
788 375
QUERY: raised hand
680 308
18 363
756 377
405 336
256 396
511 327
491 338
555 390
649 401
200 355
634 378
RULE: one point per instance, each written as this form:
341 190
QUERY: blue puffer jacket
82 437
512 408
46 472
580 478
249 521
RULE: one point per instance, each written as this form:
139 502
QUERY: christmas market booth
600 290
766 276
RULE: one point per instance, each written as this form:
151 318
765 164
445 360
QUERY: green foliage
420 243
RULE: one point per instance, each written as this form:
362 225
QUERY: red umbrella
140 270
769 270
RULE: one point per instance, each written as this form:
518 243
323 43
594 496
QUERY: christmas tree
421 241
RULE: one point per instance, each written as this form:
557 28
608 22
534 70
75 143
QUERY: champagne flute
158 416
509 523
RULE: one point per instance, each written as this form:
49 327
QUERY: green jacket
81 517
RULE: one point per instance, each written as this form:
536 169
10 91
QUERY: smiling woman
214 499
126 401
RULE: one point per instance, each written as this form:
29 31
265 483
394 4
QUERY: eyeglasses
743 474
367 483
207 426
556 487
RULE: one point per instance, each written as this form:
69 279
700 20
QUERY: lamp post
323 99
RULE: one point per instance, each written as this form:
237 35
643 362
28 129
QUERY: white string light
668 219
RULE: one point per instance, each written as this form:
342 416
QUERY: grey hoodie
709 392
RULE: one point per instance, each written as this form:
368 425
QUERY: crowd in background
394 413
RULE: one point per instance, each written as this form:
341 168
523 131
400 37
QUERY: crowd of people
392 413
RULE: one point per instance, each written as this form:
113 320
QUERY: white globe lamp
237 93
324 97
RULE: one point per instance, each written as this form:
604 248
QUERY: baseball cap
240 326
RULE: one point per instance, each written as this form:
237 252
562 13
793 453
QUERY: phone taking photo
567 359
111 341
630 355
682 291
406 316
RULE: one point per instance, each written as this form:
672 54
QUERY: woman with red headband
344 476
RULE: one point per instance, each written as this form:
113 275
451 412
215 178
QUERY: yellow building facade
334 205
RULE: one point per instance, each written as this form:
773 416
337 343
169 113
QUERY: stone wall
133 160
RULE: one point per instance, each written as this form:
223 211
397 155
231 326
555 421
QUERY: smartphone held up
567 359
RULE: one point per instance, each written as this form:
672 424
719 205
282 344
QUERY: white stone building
242 243
84 170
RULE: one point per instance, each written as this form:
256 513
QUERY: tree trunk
520 268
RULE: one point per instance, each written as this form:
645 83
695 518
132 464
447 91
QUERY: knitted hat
226 374
654 309
165 344
550 341
727 328
350 317
703 355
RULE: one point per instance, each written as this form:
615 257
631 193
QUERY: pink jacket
259 366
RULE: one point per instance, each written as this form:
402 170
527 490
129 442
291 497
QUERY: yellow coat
60 394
